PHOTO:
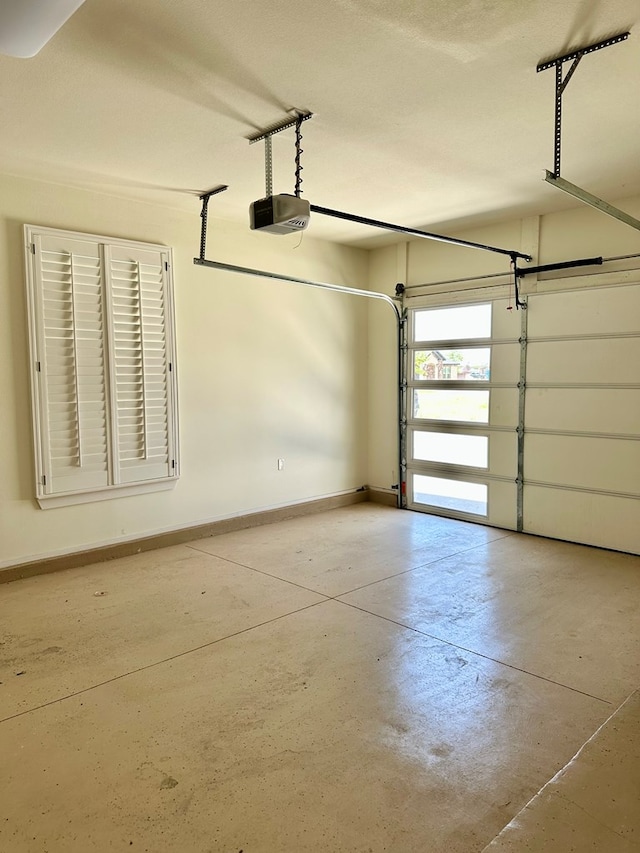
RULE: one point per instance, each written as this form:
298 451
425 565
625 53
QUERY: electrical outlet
280 464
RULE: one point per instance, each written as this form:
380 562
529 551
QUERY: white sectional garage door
578 468
582 417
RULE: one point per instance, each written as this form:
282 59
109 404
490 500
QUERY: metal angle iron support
591 200
557 129
268 167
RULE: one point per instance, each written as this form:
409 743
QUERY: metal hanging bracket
267 134
204 198
561 84
554 178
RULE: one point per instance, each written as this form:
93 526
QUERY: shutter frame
77 317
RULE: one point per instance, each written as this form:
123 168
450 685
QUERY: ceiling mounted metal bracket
284 124
561 84
554 178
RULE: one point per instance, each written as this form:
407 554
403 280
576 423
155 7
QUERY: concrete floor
360 680
591 804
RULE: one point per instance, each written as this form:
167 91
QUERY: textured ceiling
428 114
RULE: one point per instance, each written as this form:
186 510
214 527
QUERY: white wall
265 370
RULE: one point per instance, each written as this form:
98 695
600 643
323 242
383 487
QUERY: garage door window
462 407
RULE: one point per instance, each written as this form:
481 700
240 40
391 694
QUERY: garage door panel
506 324
601 520
608 410
503 407
585 312
503 503
503 454
505 366
590 463
605 360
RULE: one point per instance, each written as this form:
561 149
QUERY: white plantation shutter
140 364
72 368
101 333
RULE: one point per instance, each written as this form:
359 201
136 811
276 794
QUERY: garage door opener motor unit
279 214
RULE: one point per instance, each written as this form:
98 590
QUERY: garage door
582 417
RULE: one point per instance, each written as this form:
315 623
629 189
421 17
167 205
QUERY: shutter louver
140 364
70 286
